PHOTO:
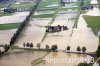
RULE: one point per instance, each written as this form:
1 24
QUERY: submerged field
21 57
49 13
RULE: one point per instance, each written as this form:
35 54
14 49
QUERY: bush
83 64
98 53
78 49
68 48
54 47
47 47
84 49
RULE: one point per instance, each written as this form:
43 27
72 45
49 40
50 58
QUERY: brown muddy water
20 58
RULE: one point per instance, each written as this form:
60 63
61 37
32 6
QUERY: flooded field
60 38
6 35
83 36
20 58
94 2
35 32
64 59
1 48
97 63
94 12
15 18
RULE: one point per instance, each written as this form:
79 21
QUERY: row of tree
53 47
79 49
23 24
21 27
30 45
6 47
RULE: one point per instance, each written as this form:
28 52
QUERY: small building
9 10
64 2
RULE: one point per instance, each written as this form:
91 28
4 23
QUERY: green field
44 16
42 8
2 5
87 2
5 14
93 22
99 3
65 9
9 26
46 9
45 3
23 5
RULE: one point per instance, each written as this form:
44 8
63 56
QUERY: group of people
56 28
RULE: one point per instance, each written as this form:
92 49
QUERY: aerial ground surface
83 31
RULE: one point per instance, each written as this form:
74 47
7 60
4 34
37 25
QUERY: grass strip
93 22
9 26
5 14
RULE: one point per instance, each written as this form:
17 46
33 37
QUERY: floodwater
34 32
94 2
64 59
1 48
96 63
60 38
80 36
15 18
99 33
66 6
53 5
94 12
83 36
20 58
44 12
6 35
